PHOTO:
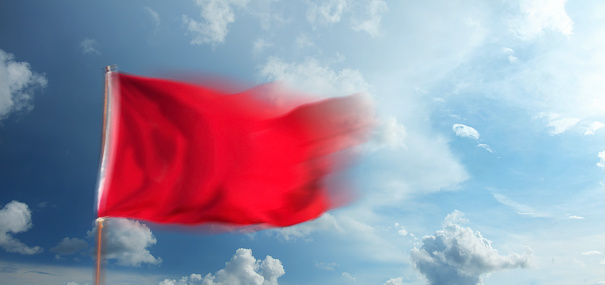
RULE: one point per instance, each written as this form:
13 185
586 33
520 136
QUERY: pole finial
111 68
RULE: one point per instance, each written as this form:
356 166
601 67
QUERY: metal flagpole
105 156
99 276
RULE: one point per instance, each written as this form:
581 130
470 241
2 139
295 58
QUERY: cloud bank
242 269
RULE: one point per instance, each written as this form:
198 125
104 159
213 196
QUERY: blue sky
487 165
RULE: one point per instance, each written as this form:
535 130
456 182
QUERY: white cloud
89 46
127 242
270 18
68 246
394 281
155 16
485 146
601 162
349 276
310 76
592 252
388 133
557 123
195 277
216 15
17 83
326 222
457 255
538 16
521 209
574 217
260 45
15 218
510 54
327 12
303 41
593 127
465 131
371 21
242 269
326 266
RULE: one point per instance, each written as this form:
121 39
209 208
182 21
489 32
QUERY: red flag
188 154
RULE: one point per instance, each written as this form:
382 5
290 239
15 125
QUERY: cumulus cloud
326 12
557 124
310 76
538 16
242 269
68 246
16 218
457 255
370 22
17 84
89 46
216 16
465 131
127 242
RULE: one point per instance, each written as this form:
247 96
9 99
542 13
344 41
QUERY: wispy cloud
538 16
370 22
154 16
557 123
601 162
313 77
521 209
260 45
326 12
89 46
395 281
216 16
593 127
348 276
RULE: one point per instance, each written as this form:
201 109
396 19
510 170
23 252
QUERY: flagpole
105 149
99 280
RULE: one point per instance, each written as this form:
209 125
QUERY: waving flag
188 154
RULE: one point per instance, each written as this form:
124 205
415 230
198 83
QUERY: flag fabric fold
187 154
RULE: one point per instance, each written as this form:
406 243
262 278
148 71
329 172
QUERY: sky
486 166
